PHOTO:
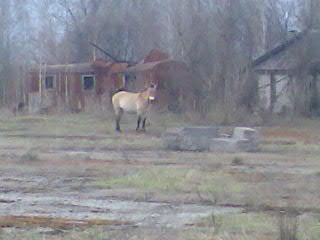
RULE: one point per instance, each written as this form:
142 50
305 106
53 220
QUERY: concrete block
244 133
171 138
209 132
189 138
207 139
232 145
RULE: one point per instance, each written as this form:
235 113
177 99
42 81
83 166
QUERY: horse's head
151 92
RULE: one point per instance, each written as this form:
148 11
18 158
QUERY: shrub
237 161
288 226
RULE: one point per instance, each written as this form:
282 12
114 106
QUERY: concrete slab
232 145
244 132
189 138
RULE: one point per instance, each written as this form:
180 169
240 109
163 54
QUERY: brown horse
137 103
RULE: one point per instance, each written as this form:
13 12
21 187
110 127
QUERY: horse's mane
121 89
126 90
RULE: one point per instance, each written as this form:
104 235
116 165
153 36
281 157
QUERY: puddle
82 208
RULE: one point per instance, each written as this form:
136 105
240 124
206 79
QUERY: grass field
72 177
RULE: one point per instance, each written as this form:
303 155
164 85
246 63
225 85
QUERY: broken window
88 82
49 82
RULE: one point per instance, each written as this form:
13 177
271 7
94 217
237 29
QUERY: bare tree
217 39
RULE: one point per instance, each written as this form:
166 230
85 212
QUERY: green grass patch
161 178
237 161
57 125
249 226
309 228
30 156
19 125
299 148
262 226
177 178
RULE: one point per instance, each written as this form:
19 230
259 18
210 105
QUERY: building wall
283 102
68 92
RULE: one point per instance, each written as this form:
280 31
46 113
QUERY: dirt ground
72 177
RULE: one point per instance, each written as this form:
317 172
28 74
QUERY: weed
154 178
237 161
217 222
288 226
30 157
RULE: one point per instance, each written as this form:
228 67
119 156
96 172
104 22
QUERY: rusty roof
81 67
155 55
75 67
141 67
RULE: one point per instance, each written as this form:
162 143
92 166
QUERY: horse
136 103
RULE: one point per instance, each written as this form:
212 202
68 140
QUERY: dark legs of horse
143 124
118 124
118 117
138 123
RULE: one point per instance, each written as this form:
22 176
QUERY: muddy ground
72 177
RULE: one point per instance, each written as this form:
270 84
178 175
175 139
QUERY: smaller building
284 71
90 86
73 87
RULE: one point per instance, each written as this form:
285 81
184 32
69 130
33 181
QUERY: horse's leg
118 123
118 117
138 123
144 124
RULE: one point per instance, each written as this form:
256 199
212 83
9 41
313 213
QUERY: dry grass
285 173
54 223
